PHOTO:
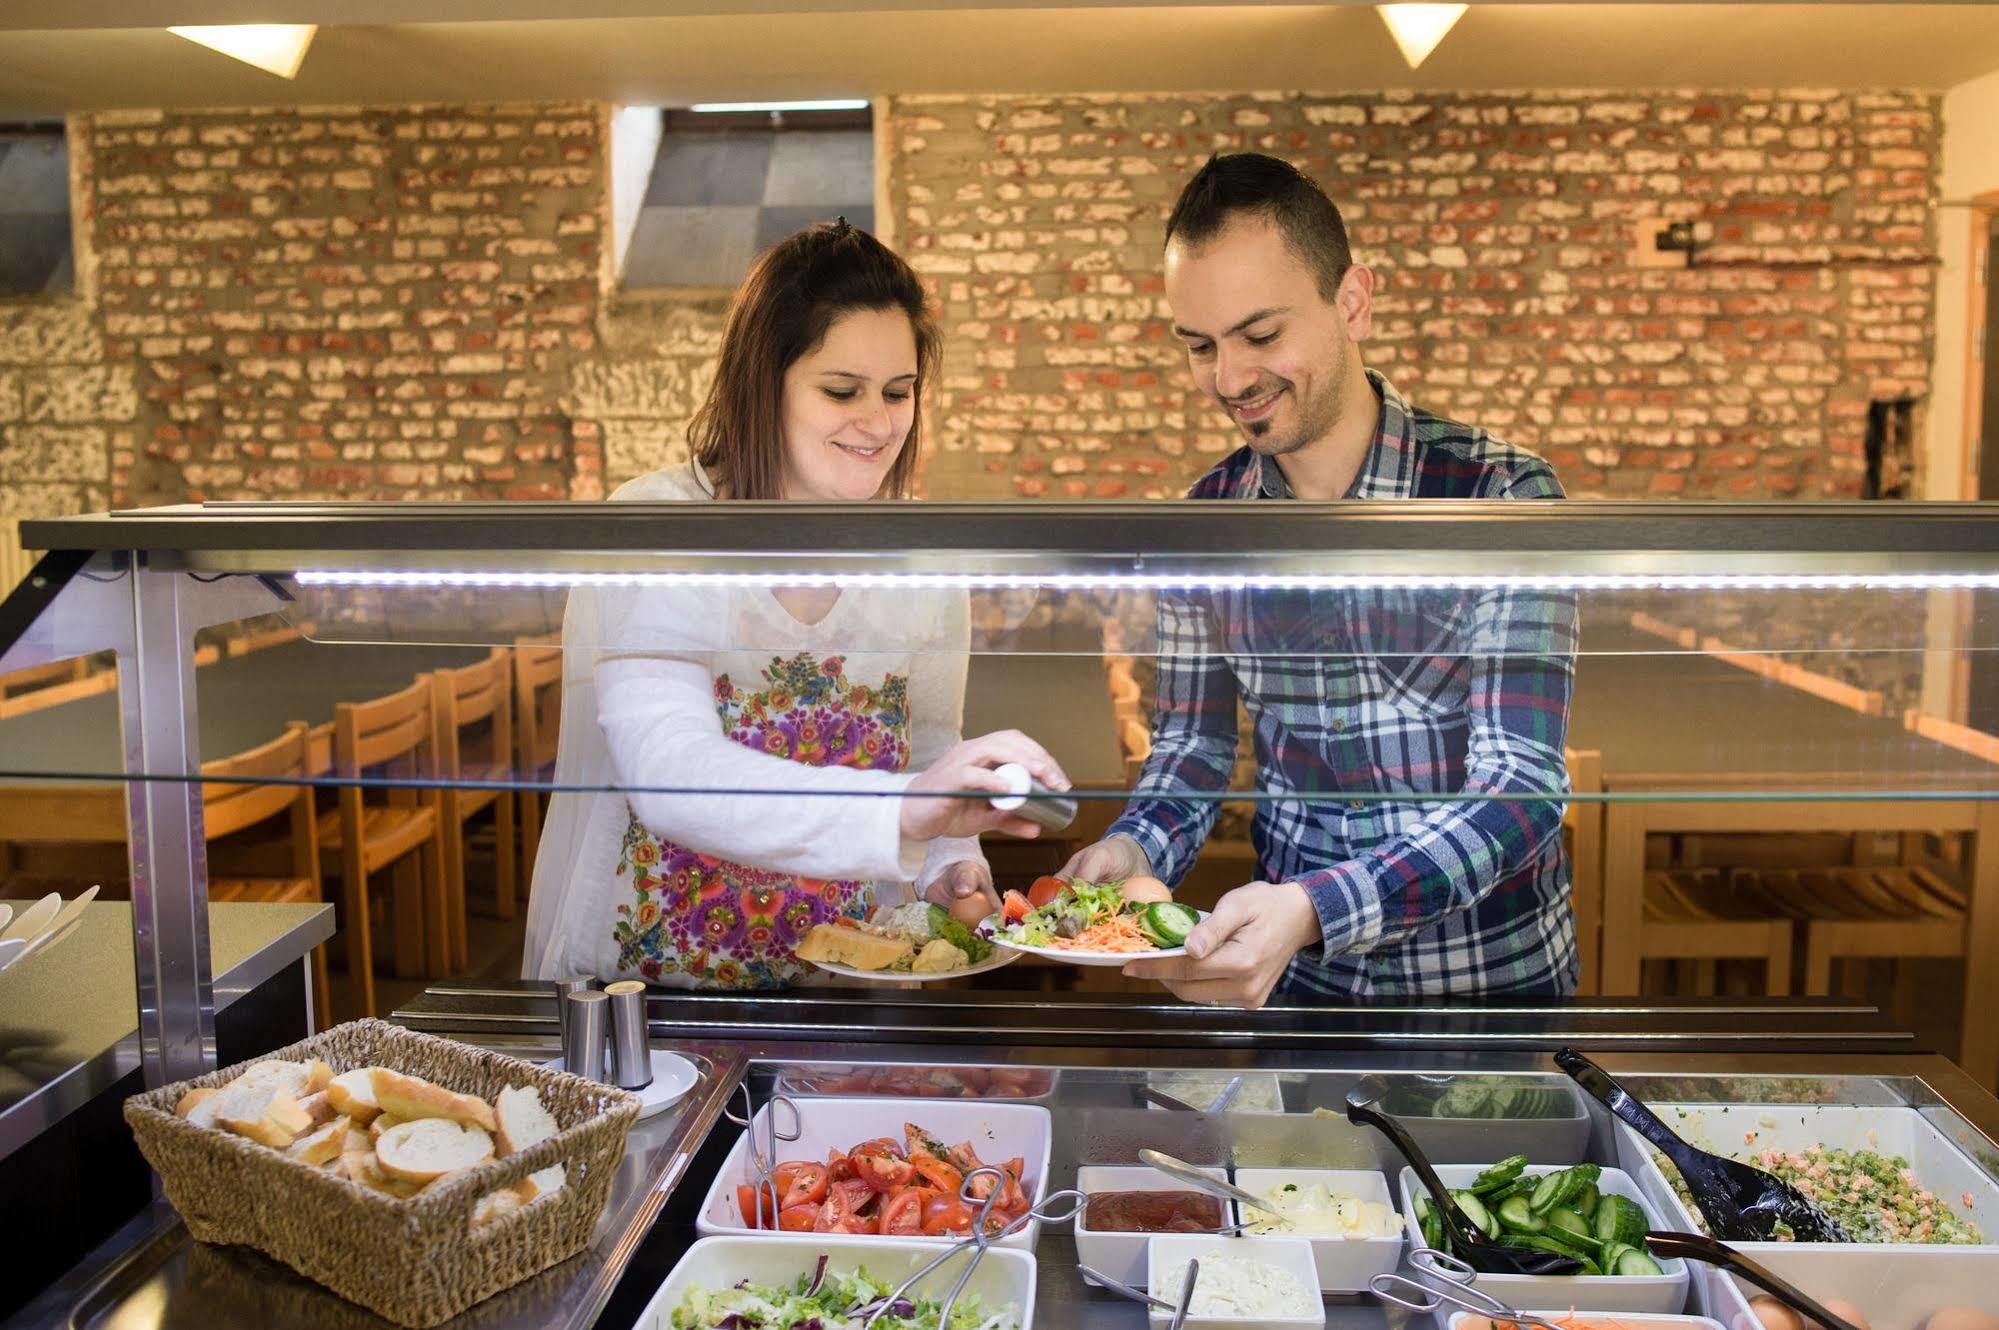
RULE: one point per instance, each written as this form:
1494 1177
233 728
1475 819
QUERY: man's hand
1112 859
966 890
968 765
1240 951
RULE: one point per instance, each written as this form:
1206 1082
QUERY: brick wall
410 301
1499 225
348 302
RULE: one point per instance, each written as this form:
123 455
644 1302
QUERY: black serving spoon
1740 1203
1467 1239
1696 1247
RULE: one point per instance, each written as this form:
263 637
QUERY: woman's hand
968 765
965 889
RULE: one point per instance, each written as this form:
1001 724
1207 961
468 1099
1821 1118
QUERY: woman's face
848 406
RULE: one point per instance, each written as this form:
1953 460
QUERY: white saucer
672 1077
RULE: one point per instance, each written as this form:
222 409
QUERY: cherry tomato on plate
1044 890
1014 907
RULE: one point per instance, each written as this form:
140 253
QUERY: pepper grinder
631 1057
574 983
583 1040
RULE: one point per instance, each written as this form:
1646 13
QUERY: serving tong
763 1152
1739 1202
1457 1291
981 1238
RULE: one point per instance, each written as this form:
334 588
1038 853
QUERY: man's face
1261 339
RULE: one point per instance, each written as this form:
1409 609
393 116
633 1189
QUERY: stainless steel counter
69 1015
151 1277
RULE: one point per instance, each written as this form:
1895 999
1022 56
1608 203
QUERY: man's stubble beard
1316 418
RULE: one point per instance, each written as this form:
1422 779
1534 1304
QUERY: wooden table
1692 744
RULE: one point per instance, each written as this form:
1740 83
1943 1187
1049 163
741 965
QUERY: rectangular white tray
780 1258
1344 1264
1122 1255
1894 1284
998 1132
1664 1293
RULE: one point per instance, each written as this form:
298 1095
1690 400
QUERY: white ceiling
70 55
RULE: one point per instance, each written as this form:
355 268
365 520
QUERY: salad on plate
1135 917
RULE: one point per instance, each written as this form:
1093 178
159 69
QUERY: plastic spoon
1740 1203
1697 1247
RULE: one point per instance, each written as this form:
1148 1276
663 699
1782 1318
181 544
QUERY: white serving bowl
1660 1294
1122 1255
1344 1264
1167 1250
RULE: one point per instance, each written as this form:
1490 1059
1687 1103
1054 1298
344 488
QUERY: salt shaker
583 1040
631 1056
1032 801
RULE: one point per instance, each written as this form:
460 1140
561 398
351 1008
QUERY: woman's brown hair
782 310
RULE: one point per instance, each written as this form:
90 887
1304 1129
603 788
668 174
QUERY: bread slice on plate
353 1093
413 1097
428 1148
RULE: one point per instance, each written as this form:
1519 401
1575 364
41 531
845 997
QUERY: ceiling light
277 48
835 104
1418 28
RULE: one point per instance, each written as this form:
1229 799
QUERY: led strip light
360 578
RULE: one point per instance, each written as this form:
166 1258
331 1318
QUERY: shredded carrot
1118 935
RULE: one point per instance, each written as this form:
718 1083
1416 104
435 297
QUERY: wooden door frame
1985 220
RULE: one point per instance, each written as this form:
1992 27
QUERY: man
1367 693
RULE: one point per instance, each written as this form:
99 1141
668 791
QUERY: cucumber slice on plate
1501 1174
1567 1225
1475 1211
1169 922
1518 1217
1620 1219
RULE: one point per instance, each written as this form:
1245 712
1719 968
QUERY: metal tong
763 1152
982 1237
1460 1293
1178 1309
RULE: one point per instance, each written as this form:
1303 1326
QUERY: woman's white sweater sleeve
688 782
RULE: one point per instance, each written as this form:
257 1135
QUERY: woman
836 695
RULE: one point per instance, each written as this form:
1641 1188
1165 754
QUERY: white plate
1002 1278
1105 958
672 1077
1001 956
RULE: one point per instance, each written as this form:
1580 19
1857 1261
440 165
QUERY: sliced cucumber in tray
1565 1213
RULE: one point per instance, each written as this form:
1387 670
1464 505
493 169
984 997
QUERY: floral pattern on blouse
694 917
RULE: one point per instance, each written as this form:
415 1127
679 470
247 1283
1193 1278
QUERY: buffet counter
1084 1071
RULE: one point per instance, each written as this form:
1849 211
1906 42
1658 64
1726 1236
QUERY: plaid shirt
1393 695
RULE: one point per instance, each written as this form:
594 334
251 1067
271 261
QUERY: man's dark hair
1252 183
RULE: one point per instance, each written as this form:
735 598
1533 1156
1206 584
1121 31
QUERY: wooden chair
473 707
396 829
1700 916
537 718
235 799
52 684
1582 831
1869 913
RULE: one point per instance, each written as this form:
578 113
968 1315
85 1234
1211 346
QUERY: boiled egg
972 910
1144 890
1961 1318
1774 1315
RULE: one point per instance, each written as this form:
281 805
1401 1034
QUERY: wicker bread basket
419 1261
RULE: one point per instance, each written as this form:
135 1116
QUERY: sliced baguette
411 1097
428 1148
319 1107
382 1122
266 1114
194 1099
549 1181
522 1120
495 1205
368 1171
298 1079
353 1093
321 1145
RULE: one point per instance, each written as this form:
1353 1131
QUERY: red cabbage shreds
818 1278
814 1324
735 1321
900 1307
